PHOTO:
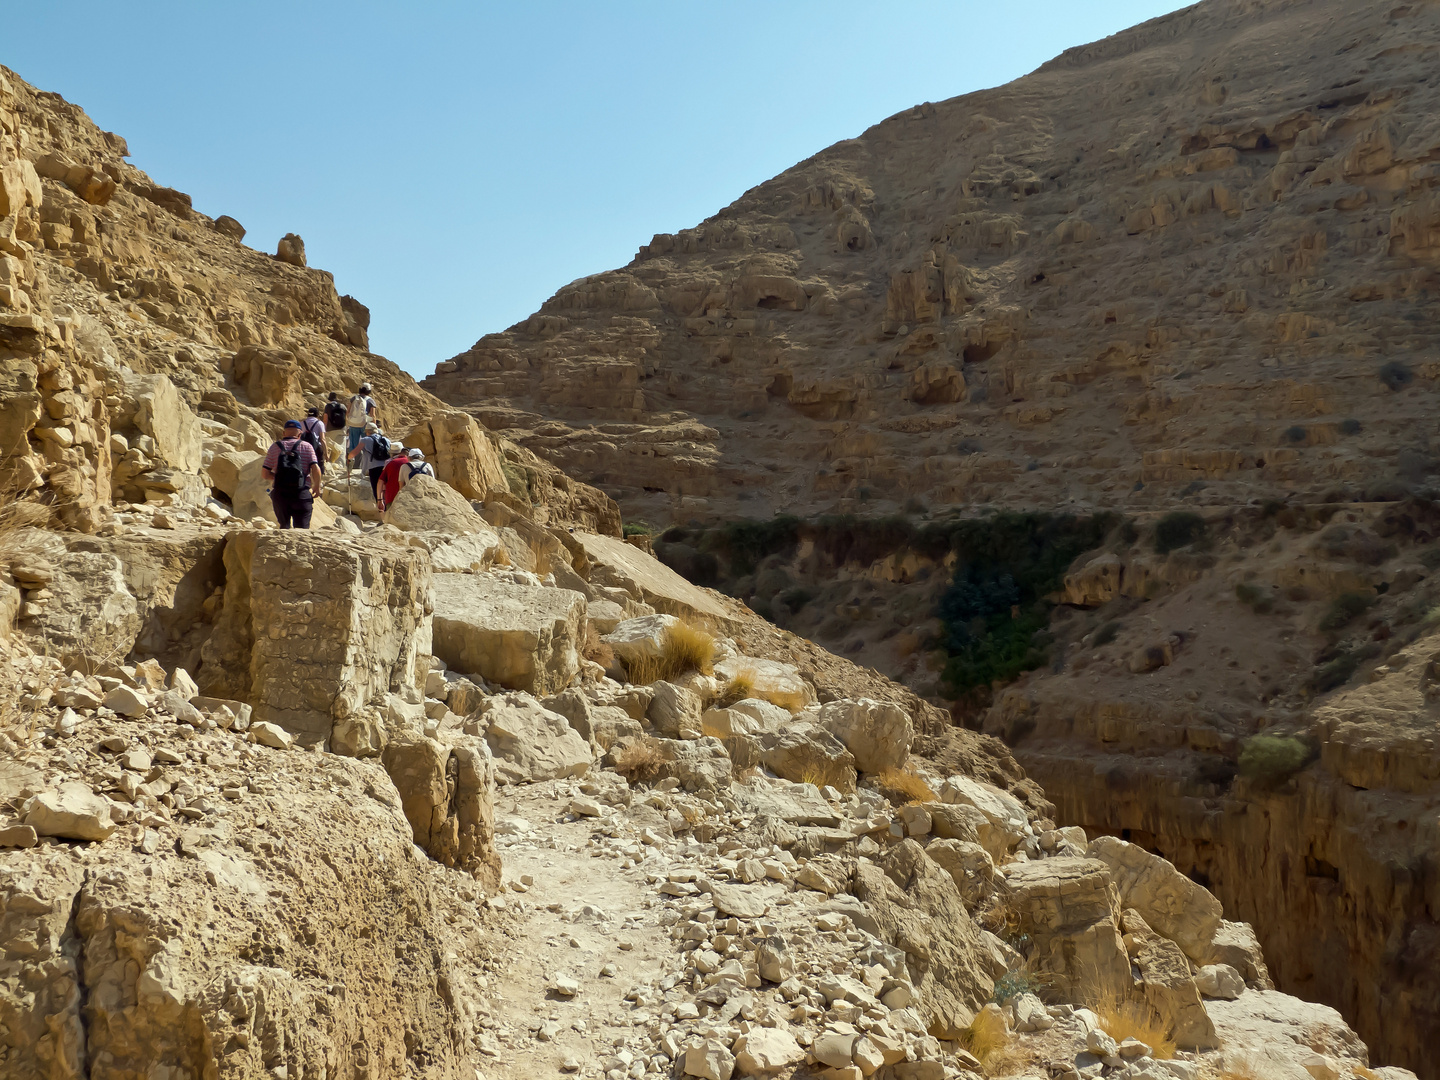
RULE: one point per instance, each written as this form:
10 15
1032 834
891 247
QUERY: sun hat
415 453
292 423
370 427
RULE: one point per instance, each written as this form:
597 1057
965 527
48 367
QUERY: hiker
360 414
294 474
312 430
334 413
373 450
400 469
390 480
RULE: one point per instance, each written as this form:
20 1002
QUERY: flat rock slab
658 585
799 804
739 901
520 636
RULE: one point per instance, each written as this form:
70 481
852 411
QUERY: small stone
1100 1044
127 701
834 1049
609 971
570 1065
72 812
565 985
1134 1048
1220 981
114 743
710 1061
268 734
183 684
135 760
586 807
18 836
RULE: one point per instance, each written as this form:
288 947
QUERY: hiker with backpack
358 416
293 471
398 472
335 412
373 450
312 430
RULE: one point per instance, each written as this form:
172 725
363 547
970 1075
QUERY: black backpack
335 414
423 469
379 448
289 473
315 444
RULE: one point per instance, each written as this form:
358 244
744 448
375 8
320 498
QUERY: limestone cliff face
1191 260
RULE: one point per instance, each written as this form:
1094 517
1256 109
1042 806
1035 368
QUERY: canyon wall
1192 261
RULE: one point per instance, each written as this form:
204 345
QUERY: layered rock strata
1191 259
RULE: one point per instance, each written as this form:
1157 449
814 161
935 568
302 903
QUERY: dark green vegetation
1344 608
1177 530
995 612
1273 759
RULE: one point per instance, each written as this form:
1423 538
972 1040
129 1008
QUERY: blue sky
455 164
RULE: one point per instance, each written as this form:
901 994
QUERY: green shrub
1014 983
1396 375
1350 427
1254 597
1296 434
1345 608
1273 759
1106 634
1334 672
1178 529
637 528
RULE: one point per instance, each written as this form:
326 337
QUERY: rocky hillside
1192 261
142 338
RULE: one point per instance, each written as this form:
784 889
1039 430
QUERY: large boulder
447 790
162 414
1166 899
463 456
71 812
809 754
429 505
530 743
1168 984
225 469
1070 911
520 636
640 639
877 733
673 709
615 563
472 553
1004 812
918 909
316 626
92 618
770 680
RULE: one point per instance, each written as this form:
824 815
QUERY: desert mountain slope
1194 260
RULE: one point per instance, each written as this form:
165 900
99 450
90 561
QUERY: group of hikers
295 464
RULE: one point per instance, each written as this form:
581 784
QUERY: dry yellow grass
819 775
903 786
742 686
685 648
19 512
1125 1019
638 762
986 1036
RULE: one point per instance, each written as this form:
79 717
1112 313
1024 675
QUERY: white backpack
359 411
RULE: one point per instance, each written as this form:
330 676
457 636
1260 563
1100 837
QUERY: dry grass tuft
685 648
19 512
820 775
1124 1019
904 786
638 762
986 1037
742 686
